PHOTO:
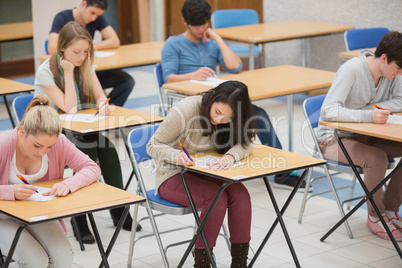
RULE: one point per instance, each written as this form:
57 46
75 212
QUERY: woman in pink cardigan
38 151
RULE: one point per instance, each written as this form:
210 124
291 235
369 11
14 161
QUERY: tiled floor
364 250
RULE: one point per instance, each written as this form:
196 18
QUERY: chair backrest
364 38
158 74
45 46
312 108
138 139
234 17
20 105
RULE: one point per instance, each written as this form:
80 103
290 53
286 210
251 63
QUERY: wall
322 51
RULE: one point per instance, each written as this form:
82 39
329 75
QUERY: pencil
106 102
182 147
24 180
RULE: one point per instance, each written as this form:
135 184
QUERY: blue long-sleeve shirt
181 56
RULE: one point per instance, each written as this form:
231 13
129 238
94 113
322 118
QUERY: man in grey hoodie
371 78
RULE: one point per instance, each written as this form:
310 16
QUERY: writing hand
183 160
222 163
104 108
58 189
23 191
380 116
202 74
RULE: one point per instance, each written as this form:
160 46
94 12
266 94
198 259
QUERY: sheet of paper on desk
395 119
40 197
103 54
210 81
84 118
203 161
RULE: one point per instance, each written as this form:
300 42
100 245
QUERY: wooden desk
95 197
264 83
264 161
128 56
383 131
280 31
347 55
16 31
8 87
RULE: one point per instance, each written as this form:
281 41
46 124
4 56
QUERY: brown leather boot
201 259
239 253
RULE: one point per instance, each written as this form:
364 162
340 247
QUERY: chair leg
306 193
226 234
132 237
352 190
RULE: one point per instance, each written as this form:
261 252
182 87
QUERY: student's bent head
102 4
196 12
391 45
240 127
40 118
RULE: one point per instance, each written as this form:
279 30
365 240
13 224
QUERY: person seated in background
69 81
195 54
37 151
371 78
90 15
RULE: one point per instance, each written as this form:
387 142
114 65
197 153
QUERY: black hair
196 12
391 45
242 127
102 4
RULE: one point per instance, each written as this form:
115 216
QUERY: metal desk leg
98 240
367 197
9 111
304 52
279 219
251 57
290 121
14 245
200 224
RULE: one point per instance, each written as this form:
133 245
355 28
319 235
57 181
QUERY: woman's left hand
58 189
222 163
104 108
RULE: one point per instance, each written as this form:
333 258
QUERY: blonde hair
39 117
70 33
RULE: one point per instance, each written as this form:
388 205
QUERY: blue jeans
122 84
266 132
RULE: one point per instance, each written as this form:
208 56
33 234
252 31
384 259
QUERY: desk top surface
352 53
16 31
267 82
95 197
128 56
118 118
384 131
279 31
8 86
264 161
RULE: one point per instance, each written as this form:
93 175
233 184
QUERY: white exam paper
210 81
394 119
203 161
40 197
103 54
84 118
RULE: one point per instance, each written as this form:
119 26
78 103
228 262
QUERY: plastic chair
364 38
238 17
311 109
137 141
158 74
20 105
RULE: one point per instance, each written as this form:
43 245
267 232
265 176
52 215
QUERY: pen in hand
106 102
24 180
182 147
378 107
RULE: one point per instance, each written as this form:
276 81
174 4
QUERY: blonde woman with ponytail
37 150
69 81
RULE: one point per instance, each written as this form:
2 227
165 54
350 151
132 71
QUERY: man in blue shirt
194 54
90 15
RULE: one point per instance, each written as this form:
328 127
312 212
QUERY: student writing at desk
69 81
90 15
194 54
221 120
38 151
359 83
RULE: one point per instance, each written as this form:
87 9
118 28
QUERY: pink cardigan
63 153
